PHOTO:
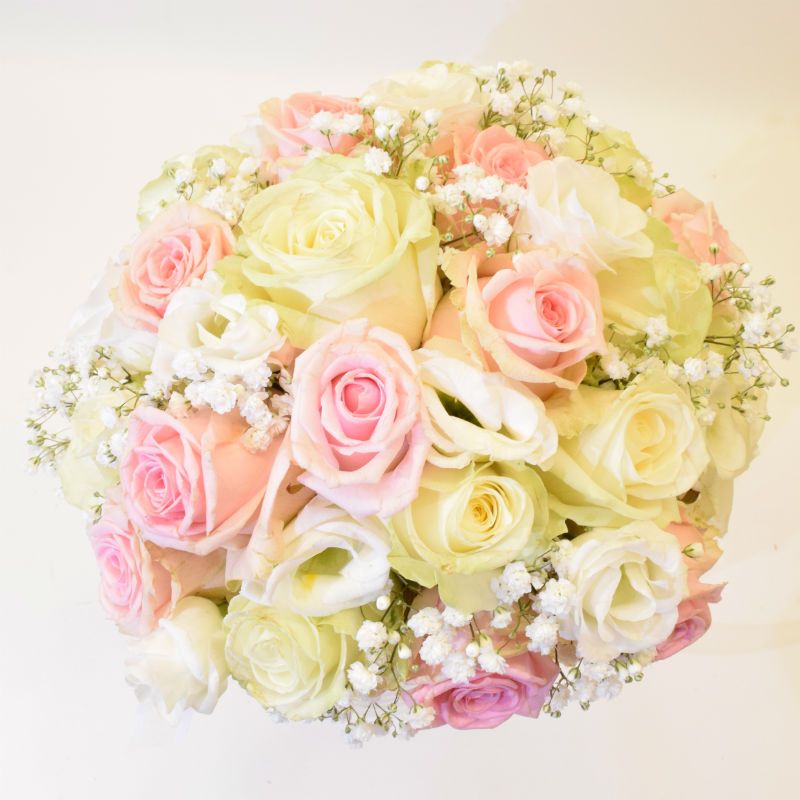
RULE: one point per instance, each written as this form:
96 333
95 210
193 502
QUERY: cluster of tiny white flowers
512 584
657 332
330 124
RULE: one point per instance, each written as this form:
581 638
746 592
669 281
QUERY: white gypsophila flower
220 395
256 440
749 369
597 671
491 661
109 417
595 124
542 634
503 103
254 410
560 698
456 618
706 416
458 667
422 183
361 679
219 168
404 652
608 689
248 166
501 619
657 331
711 272
498 230
371 636
188 365
480 222
431 116
184 176
573 105
695 369
547 113
556 597
321 121
377 161
117 442
715 364
512 584
157 388
511 195
437 647
389 117
755 328
425 621
488 188
556 136
257 377
640 170
348 124
382 132
421 717
614 366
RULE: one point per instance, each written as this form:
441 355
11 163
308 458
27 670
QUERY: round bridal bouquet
411 409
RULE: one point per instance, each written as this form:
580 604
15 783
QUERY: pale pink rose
535 317
287 134
489 699
497 151
190 484
356 424
182 243
694 614
139 582
695 227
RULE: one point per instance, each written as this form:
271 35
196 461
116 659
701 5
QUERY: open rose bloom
417 409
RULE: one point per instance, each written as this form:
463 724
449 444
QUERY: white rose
628 584
473 414
578 207
181 664
97 323
229 333
643 448
330 562
433 86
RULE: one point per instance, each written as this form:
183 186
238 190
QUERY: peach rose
190 484
496 150
535 317
356 425
701 552
182 243
139 582
695 226
287 132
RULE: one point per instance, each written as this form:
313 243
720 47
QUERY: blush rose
181 244
356 425
190 484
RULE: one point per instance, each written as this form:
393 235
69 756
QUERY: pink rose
356 425
190 484
695 226
694 614
497 151
139 582
182 243
535 317
489 699
287 132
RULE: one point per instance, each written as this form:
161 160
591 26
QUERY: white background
94 95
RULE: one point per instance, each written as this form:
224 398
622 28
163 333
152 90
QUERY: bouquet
415 409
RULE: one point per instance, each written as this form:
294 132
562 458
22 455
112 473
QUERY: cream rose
227 332
669 286
578 208
479 415
289 663
335 243
330 562
639 449
181 664
732 438
452 91
469 522
628 584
